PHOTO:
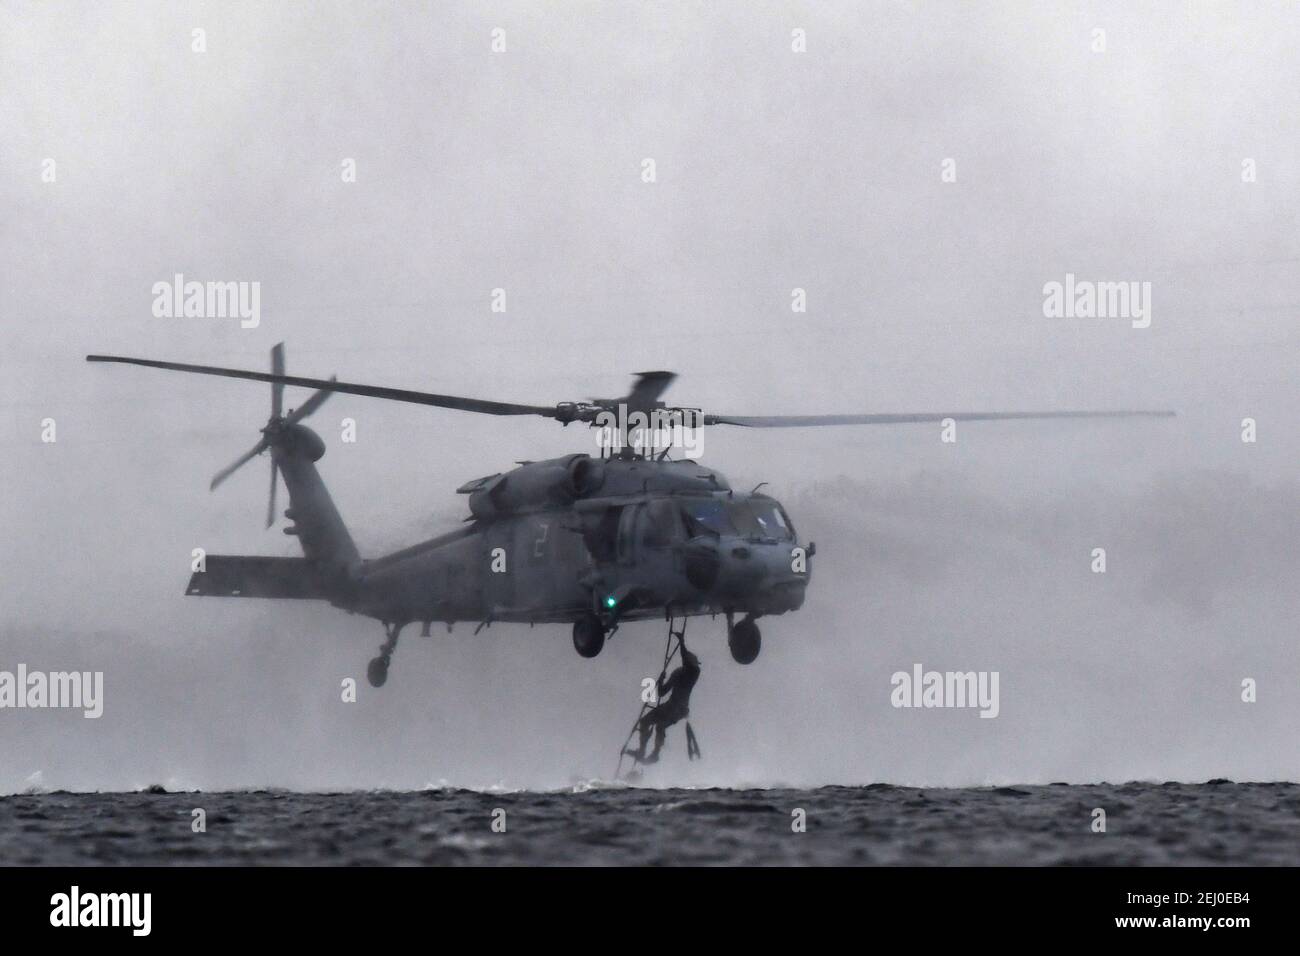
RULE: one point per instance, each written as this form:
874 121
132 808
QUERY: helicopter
593 542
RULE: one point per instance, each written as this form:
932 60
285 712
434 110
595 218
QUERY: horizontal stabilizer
231 575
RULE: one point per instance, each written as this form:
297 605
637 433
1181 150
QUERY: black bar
484 905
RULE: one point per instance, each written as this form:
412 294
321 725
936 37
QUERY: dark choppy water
1147 824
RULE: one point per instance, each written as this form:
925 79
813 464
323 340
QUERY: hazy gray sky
776 170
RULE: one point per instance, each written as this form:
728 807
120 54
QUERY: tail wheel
588 635
745 641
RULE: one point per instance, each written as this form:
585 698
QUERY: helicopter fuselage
620 538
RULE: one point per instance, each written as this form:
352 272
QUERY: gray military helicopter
588 541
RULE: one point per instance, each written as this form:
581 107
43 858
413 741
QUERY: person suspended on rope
674 695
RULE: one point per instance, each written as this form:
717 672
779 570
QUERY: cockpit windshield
770 519
707 516
754 518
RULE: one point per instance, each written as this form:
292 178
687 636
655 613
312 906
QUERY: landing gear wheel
745 641
377 672
588 635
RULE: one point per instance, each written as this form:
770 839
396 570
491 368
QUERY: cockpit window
743 520
707 516
748 519
770 520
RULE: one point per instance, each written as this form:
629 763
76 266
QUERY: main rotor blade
799 421
330 385
316 401
239 462
277 388
649 386
646 389
270 504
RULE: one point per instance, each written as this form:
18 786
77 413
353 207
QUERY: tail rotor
277 430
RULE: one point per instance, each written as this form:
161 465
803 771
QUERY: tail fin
316 522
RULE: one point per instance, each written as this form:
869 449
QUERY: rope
669 653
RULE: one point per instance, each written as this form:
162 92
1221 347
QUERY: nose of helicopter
762 576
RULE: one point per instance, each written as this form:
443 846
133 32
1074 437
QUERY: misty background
776 170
